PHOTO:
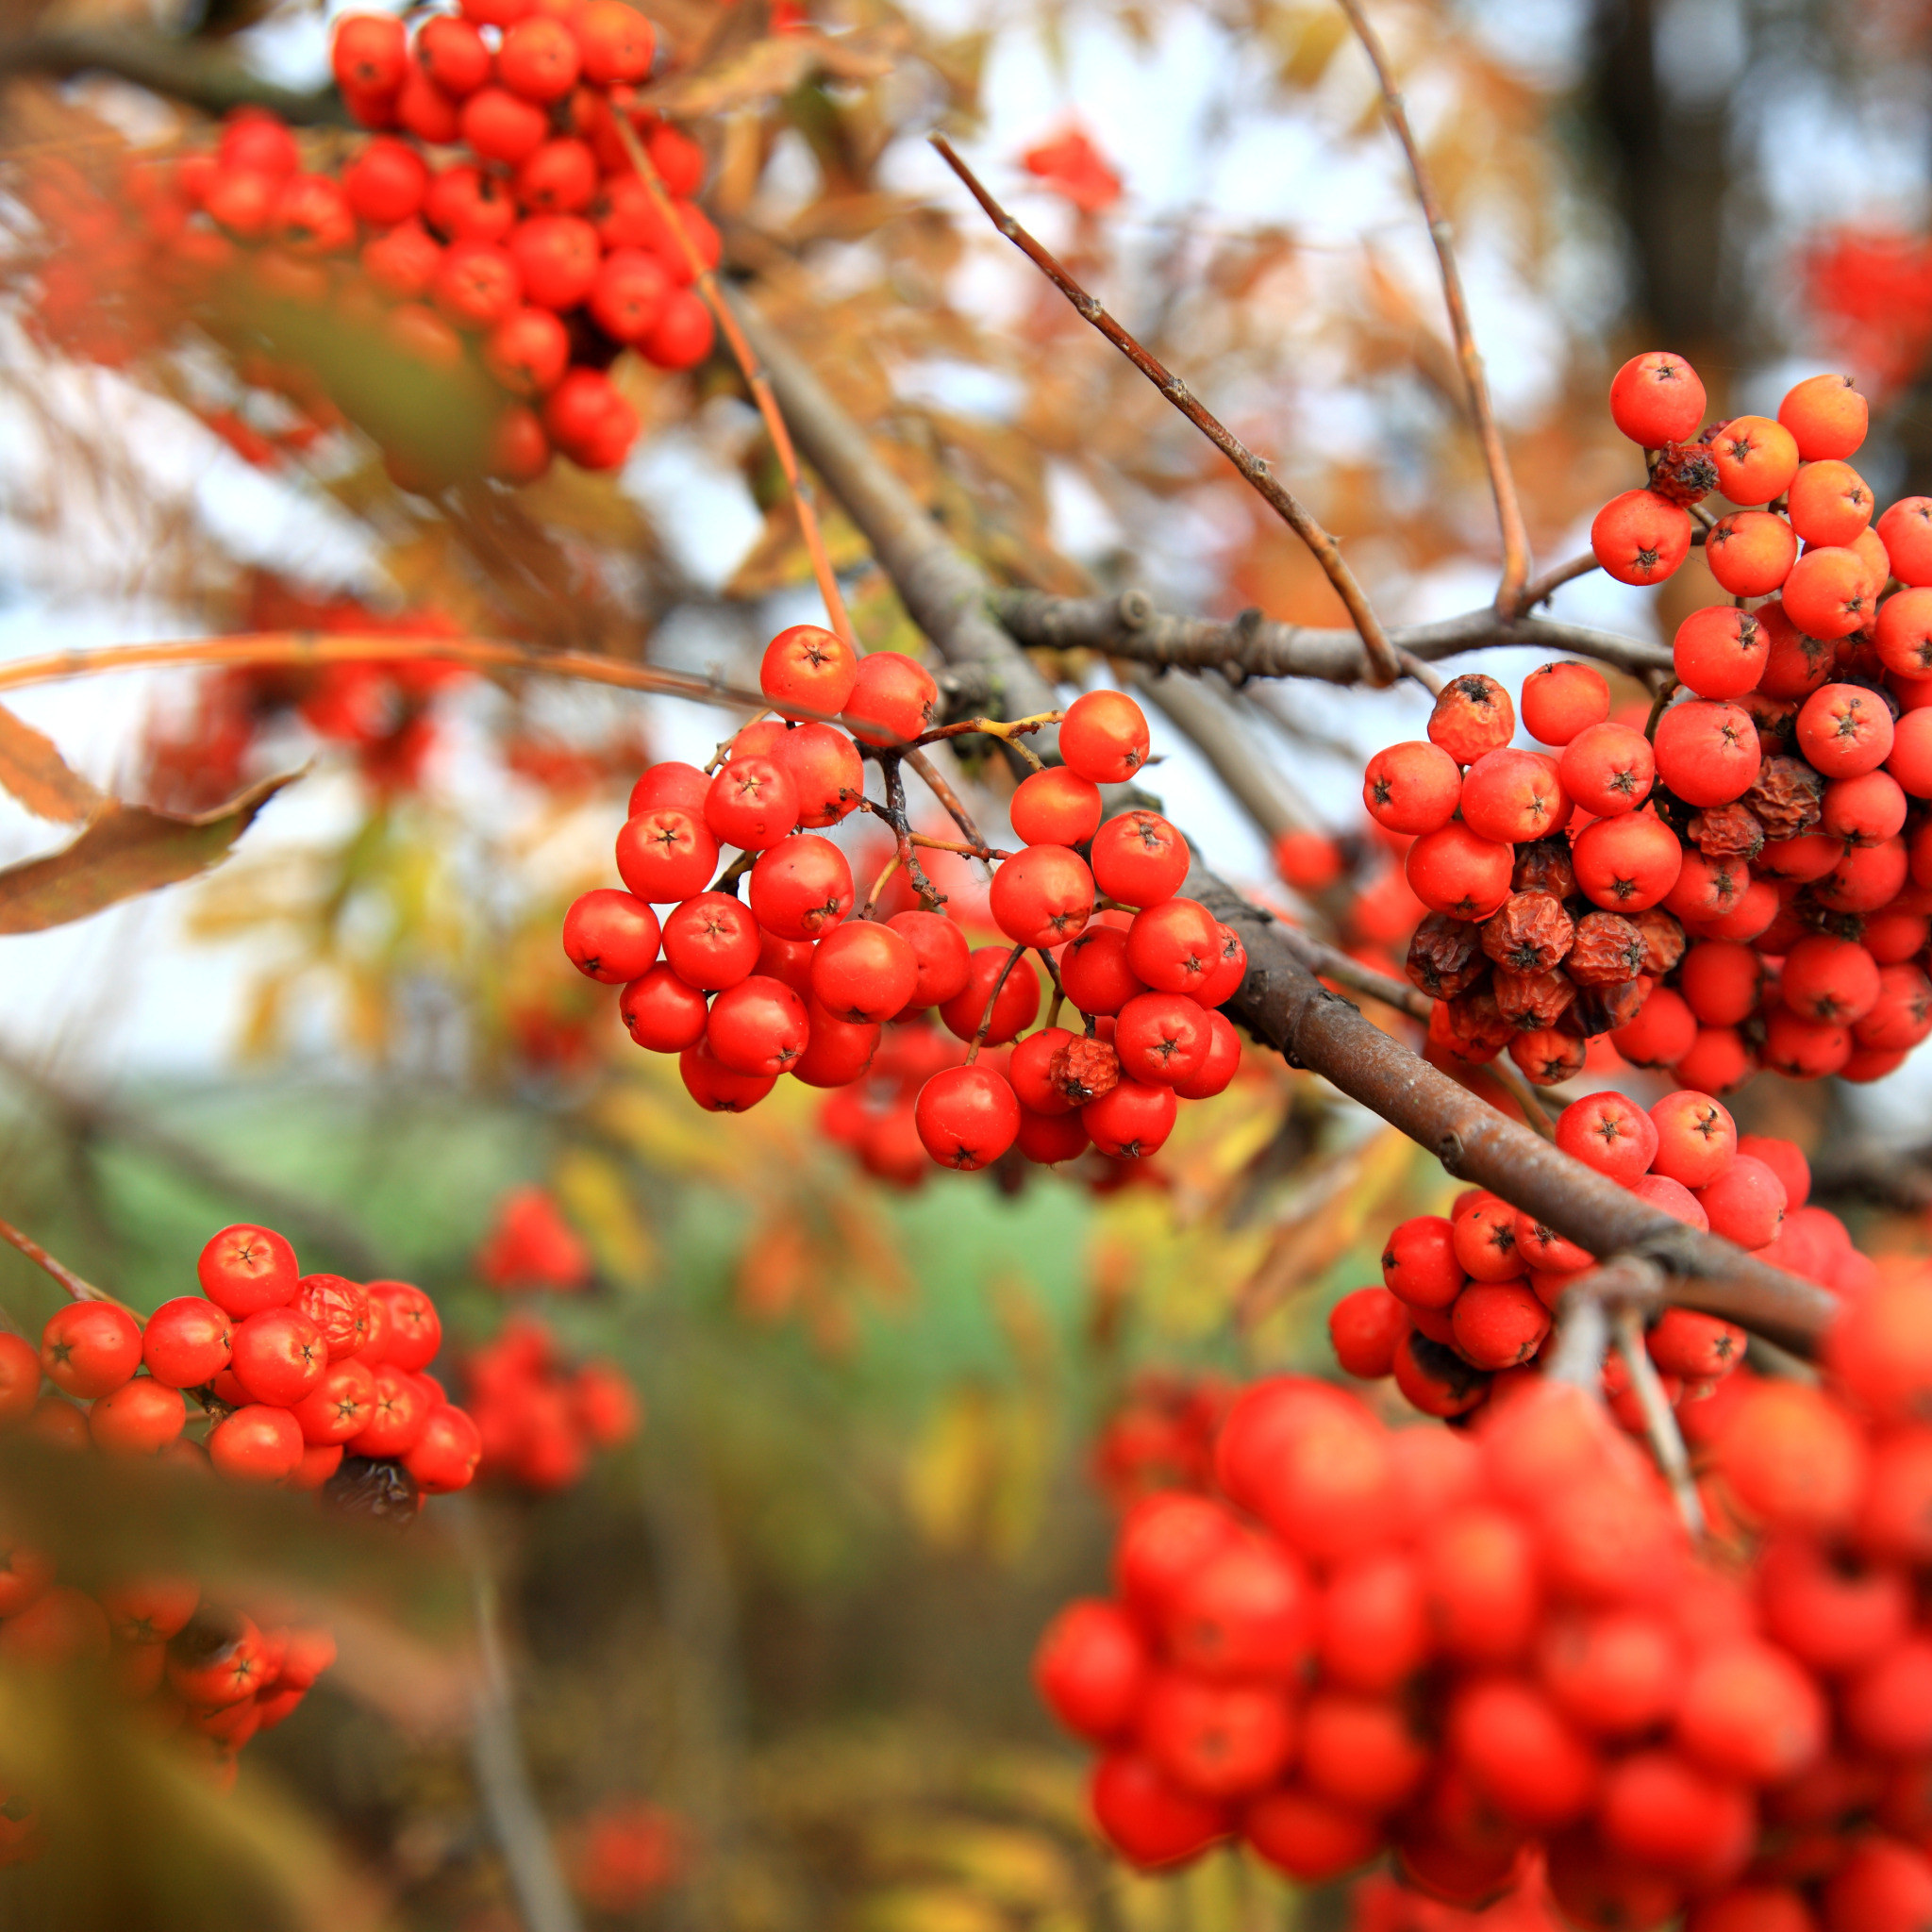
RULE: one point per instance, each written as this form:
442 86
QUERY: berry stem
78 1290
1515 535
1540 590
1384 667
1665 692
1660 1423
1510 1077
1059 992
935 783
755 377
992 999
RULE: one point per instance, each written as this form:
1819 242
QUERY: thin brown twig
929 894
992 999
935 783
1515 534
1383 667
878 884
1659 1420
756 379
1510 1077
78 1290
1540 590
1059 990
1004 730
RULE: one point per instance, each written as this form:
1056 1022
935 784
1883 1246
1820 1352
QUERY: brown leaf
126 849
773 66
32 769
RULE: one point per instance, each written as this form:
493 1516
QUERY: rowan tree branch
1384 666
1129 627
1495 457
185 70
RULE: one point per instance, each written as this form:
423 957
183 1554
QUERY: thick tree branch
1488 433
1384 666
188 70
1129 627
1280 1003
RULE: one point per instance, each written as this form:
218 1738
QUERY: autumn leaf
776 66
126 849
32 769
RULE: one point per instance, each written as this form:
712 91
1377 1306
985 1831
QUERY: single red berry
1456 872
1149 1821
1139 858
1826 416
1091 1668
1627 864
1013 1010
1639 537
501 125
1656 398
1174 946
618 43
245 1269
1472 715
808 665
90 1349
715 1087
1096 973
1163 1038
944 957
1411 788
610 937
1057 807
1844 729
1104 737
140 1418
1043 896
187 1341
415 1330
1560 700
1513 797
801 887
666 853
967 1117
444 1455
1720 651
395 1417
279 1356
261 1442
662 1012
894 696
1827 594
864 972
1130 1121
1750 553
1756 459
339 1406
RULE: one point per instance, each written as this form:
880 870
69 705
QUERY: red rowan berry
386 182
1756 459
528 352
1031 1070
1164 1540
1906 530
838 1052
609 936
1749 1712
1499 1324
1096 973
463 204
1307 1838
1826 415
1829 979
1484 1239
1830 1611
894 695
519 451
261 1442
661 1012
1161 1039
1785 1160
1745 1203
1722 981
539 59
1627 864
1216 1072
1150 1822
1520 1752
1480 1579
1472 715
1865 878
1104 737
666 853
140 1418
501 125
476 286
1708 889
1830 503
1361 1751
1364 1327
1663 1032
1696 1140
58 1423
944 957
90 1349
711 941
313 216
864 972
401 263
444 1457
256 140
1639 537
1130 1121
1229 972
1513 796
1895 1515
1669 1817
1750 553
186 1342
1656 398
683 334
1373 1631
1887 1708
715 1087
1864 811
245 1269
1844 729
1614 1673
1609 1133
1882 1886
1456 872
752 804
1057 807
1719 652
1607 769
1420 1264
1910 761
1174 946
559 178
1043 896
1560 700
759 1026
1013 1010
279 1356
967 1117
1826 594
808 665
1139 858
1090 1668
1411 788
1308 861
1544 1250
556 257
1792 1459
801 887
370 54
1901 1016
1247 1610
1707 751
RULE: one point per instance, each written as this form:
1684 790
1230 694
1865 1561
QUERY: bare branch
1129 627
71 1283
1384 669
1495 457
185 70
755 376
1540 589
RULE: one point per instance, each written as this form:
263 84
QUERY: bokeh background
767 1659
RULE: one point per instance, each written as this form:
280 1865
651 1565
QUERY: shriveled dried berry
1083 1070
1728 831
1530 933
1684 473
1532 1001
1608 950
1543 866
1446 957
1603 1008
1663 940
1473 1022
1786 797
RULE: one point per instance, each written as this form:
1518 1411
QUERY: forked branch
1384 666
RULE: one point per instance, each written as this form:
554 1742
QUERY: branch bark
182 69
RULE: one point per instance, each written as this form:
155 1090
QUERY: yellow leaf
592 1190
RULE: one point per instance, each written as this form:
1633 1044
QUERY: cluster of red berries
1468 1295
310 1381
213 1674
509 274
1771 818
541 1417
784 981
1495 1651
531 1246
1161 1437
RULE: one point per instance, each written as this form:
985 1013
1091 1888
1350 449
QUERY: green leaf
125 850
